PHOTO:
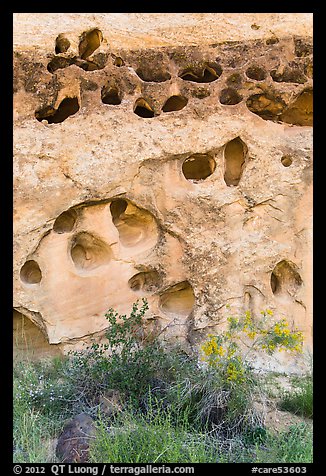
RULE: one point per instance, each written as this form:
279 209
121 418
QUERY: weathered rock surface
30 343
73 443
166 156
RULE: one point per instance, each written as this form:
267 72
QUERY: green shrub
129 361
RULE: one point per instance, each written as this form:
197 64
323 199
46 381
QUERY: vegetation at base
300 399
136 439
293 445
174 407
154 437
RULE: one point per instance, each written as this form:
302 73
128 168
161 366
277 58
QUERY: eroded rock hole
256 72
302 48
234 159
30 272
265 105
135 225
118 61
62 44
273 40
68 107
65 222
230 97
117 207
247 300
285 279
175 103
89 252
300 111
178 299
286 160
58 62
288 75
143 109
89 42
110 95
274 283
147 281
87 65
148 75
198 167
205 74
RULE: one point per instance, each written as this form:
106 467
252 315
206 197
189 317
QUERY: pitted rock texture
74 441
177 169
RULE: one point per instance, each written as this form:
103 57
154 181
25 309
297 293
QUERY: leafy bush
129 361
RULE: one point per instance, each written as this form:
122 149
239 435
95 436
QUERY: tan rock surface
206 205
29 341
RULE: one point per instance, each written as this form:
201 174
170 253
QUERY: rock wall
166 156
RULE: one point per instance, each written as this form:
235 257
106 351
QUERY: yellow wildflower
231 352
297 348
252 334
211 347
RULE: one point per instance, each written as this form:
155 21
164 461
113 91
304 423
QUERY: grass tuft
300 400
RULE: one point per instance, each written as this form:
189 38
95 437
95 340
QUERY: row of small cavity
69 106
208 71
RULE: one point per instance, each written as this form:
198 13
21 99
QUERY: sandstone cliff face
166 156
